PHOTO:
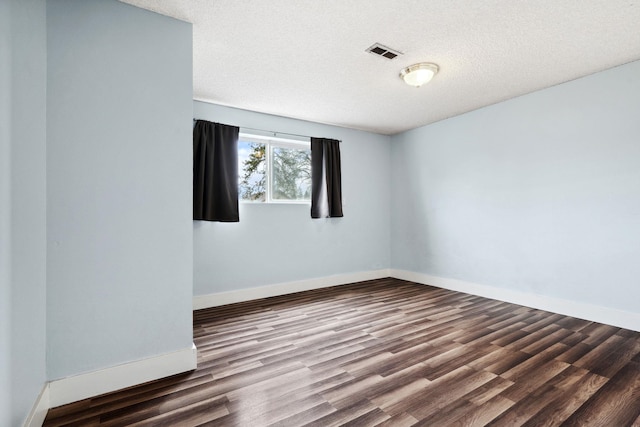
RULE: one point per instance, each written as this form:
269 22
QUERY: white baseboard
594 313
591 312
90 384
40 407
222 298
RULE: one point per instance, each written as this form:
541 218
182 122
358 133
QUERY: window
273 170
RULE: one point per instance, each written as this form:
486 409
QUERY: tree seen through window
272 171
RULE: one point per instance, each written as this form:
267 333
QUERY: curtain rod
275 134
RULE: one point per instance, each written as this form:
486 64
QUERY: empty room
291 213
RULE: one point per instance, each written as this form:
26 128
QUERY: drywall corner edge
94 383
40 407
594 313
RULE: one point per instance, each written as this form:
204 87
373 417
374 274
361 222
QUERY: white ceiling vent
383 51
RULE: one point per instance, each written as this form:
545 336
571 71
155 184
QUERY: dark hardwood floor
388 353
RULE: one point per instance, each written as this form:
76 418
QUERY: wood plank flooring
386 353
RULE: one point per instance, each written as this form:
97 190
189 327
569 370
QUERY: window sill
288 202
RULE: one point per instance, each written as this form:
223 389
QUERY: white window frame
271 142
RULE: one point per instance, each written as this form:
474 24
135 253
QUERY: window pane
291 173
251 171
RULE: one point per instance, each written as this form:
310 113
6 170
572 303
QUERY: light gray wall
5 212
28 204
539 194
119 165
279 243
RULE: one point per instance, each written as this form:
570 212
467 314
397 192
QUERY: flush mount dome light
419 74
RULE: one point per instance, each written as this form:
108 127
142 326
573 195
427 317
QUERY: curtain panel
215 172
326 180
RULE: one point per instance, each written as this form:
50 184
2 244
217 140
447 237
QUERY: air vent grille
383 51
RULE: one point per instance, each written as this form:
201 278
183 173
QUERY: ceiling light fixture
419 74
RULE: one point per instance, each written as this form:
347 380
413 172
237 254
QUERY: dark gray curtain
326 181
215 172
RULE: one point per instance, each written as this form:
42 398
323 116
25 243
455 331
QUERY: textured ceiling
306 58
